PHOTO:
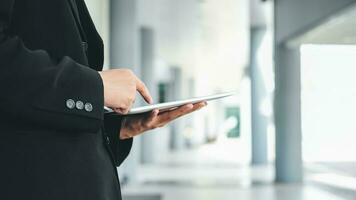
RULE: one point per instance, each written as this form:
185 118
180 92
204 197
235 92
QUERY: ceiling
339 28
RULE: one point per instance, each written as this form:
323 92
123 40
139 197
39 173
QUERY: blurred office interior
287 134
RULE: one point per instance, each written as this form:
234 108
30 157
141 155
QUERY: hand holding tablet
173 104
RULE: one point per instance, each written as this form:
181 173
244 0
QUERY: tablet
173 104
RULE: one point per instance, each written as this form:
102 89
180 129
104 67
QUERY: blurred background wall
291 122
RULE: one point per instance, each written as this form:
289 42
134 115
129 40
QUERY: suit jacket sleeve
120 148
35 88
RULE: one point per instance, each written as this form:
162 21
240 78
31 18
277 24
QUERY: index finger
142 89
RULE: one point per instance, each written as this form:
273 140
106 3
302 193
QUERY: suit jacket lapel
96 49
76 15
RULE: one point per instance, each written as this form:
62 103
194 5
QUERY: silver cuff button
88 107
70 103
79 105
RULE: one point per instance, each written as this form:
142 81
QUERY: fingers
142 89
179 112
122 111
200 105
195 107
155 119
174 114
151 121
153 115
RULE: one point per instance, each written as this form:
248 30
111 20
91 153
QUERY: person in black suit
55 141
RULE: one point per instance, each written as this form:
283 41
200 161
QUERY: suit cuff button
79 105
88 107
70 103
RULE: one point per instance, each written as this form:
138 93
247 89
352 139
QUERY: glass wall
328 102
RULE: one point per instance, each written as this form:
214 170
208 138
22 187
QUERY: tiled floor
266 192
173 184
202 175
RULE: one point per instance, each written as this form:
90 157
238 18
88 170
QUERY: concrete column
149 142
287 108
124 53
259 121
293 18
124 35
176 92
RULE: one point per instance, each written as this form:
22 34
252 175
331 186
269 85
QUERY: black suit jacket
50 148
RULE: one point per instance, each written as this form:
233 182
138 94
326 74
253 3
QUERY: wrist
103 86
